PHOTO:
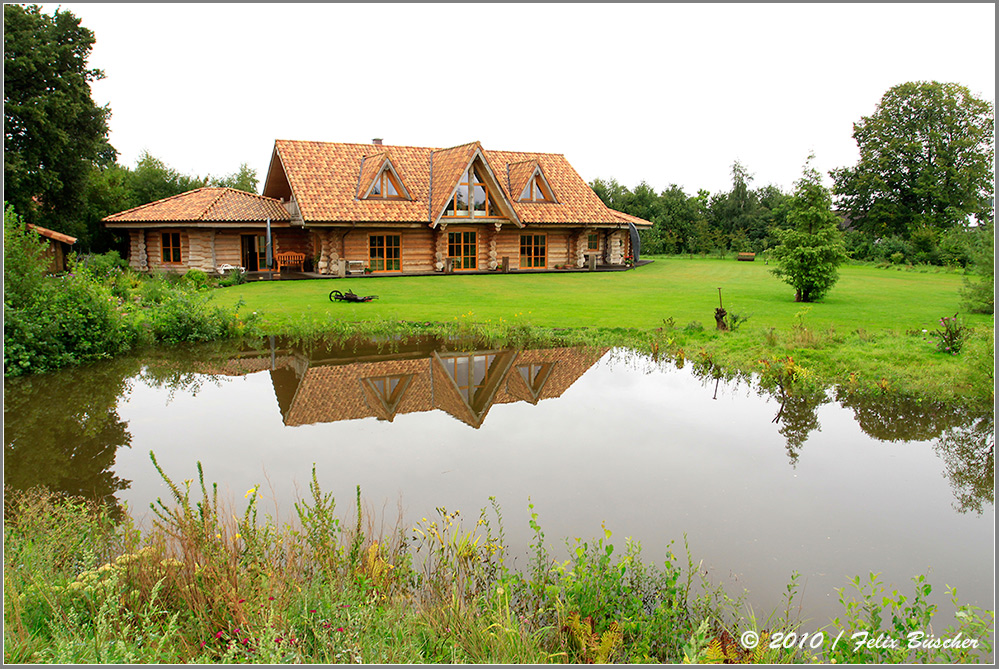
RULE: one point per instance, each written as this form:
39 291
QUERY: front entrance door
254 252
464 248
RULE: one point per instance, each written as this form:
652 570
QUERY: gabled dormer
464 186
384 393
380 180
527 179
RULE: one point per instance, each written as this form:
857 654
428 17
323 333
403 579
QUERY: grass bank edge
854 362
211 584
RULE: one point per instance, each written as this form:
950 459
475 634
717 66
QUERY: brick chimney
377 141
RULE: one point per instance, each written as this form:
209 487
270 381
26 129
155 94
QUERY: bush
100 266
232 278
24 265
951 335
70 320
196 279
190 318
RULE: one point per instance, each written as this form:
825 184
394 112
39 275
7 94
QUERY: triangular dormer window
472 198
385 184
535 375
388 390
536 190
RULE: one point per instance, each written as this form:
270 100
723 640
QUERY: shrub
196 279
951 335
232 278
70 320
24 264
100 266
190 318
155 290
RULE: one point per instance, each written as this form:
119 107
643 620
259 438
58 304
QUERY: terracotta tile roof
518 176
448 165
206 205
323 177
52 234
370 167
625 218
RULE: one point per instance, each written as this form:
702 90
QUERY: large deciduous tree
54 133
926 161
809 252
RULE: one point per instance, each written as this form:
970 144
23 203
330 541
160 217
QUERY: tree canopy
54 133
809 252
926 161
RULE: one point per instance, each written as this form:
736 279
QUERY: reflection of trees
62 430
965 439
968 453
798 417
890 417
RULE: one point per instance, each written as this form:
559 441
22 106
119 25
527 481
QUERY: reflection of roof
52 234
207 205
335 392
331 393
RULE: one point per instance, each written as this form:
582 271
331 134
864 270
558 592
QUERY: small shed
59 246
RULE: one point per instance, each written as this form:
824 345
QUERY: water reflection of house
363 383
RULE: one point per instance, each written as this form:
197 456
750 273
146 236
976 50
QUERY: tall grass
212 583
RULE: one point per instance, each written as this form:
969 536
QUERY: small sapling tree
809 252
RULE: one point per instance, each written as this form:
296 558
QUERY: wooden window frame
536 191
470 179
462 245
529 241
164 235
593 241
467 386
384 247
383 177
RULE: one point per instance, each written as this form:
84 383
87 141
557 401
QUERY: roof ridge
224 189
245 192
460 146
162 199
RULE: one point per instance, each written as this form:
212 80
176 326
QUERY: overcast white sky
657 92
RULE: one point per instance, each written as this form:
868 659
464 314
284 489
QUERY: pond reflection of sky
650 450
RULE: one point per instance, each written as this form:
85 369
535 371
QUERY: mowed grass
685 290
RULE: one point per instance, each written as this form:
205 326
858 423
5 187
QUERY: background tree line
921 193
741 219
60 171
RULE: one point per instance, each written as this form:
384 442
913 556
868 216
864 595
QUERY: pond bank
213 583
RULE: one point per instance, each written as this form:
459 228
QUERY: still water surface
830 488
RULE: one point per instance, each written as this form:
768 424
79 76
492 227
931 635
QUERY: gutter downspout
269 260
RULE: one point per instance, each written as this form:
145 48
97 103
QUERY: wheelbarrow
350 296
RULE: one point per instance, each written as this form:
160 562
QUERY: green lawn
867 334
684 289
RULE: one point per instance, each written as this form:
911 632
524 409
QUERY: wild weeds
208 584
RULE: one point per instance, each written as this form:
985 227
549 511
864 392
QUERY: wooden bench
354 266
290 259
746 256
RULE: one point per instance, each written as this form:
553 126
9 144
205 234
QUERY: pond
760 487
